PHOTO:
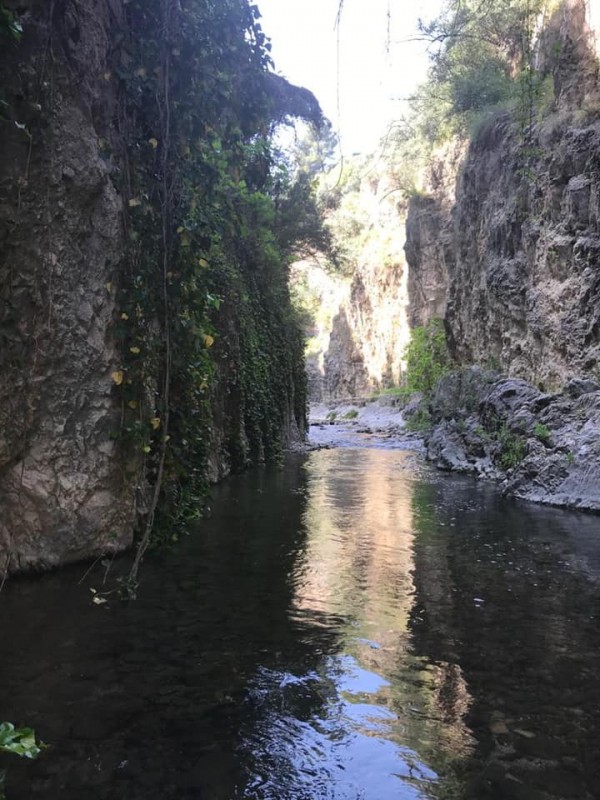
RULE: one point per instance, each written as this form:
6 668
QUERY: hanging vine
212 221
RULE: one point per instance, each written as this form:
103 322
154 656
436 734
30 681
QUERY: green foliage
214 218
10 27
512 448
18 741
420 421
541 431
427 358
352 414
331 417
482 59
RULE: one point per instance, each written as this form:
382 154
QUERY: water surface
350 626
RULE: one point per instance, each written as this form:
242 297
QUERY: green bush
512 449
427 358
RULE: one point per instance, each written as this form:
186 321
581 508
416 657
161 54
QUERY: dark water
352 626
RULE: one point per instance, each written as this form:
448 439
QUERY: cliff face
429 241
64 486
521 243
71 485
362 328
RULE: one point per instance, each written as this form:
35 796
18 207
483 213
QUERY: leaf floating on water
134 202
117 377
155 422
208 339
135 350
153 142
133 404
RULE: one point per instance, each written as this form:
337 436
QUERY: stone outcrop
540 447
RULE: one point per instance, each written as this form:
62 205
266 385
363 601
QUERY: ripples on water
350 627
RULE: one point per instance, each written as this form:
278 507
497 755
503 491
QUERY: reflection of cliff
359 565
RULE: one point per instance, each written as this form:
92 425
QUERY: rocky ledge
540 447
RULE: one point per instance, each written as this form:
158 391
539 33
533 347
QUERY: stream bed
352 626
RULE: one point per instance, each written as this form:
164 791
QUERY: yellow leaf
185 239
155 422
180 229
134 202
202 262
108 287
140 72
135 350
208 339
124 316
117 377
146 448
133 404
153 142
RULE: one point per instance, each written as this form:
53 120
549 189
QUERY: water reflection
352 626
375 717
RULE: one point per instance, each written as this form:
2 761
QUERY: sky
378 65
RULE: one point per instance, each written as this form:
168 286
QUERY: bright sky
373 78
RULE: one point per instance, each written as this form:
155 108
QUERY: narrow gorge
299 443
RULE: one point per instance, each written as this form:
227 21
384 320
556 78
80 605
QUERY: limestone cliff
520 244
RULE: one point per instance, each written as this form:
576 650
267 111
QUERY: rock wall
521 243
429 238
357 345
65 487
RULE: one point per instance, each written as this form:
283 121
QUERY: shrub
541 432
512 449
427 358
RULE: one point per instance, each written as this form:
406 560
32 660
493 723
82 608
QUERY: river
351 626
